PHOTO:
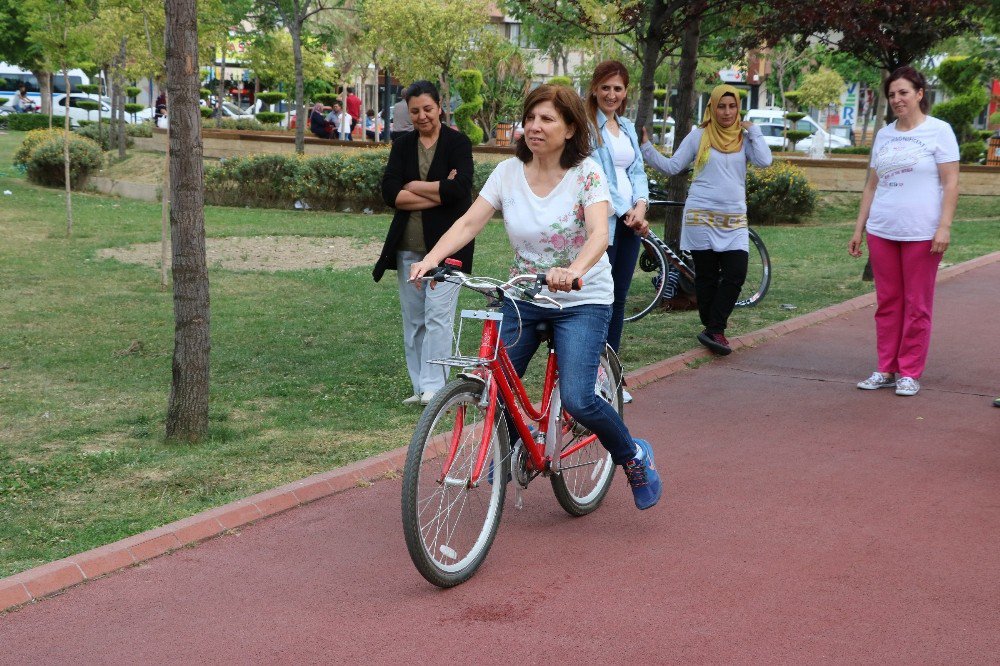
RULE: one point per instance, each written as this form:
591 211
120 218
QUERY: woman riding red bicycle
554 202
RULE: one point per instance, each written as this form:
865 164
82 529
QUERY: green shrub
794 136
132 92
102 135
207 111
327 182
470 83
270 117
25 122
659 94
853 150
131 108
84 123
560 81
244 124
46 165
88 88
143 129
204 93
270 98
326 98
794 117
3 100
31 141
961 110
984 135
971 152
779 194
995 118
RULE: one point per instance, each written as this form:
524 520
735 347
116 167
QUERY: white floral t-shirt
548 232
907 203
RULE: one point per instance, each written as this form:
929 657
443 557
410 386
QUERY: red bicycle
460 458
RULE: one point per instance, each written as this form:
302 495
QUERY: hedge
327 182
25 122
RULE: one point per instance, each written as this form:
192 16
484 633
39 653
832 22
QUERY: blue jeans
622 254
579 333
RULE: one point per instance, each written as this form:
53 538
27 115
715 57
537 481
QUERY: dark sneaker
643 477
716 342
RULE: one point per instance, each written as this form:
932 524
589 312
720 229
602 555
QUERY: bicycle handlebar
493 287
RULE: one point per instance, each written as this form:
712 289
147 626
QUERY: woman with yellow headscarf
714 229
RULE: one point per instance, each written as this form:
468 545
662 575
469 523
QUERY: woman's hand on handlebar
418 270
560 279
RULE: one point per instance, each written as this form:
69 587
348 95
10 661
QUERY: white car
76 114
774 135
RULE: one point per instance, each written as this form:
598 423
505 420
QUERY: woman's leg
623 254
887 268
919 276
411 301
706 283
732 275
579 334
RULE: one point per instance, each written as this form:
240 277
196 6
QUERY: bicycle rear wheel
449 525
758 273
586 475
647 285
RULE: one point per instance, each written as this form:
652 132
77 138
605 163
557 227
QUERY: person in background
714 226
554 201
22 103
906 208
353 105
318 124
428 180
401 123
616 146
374 128
339 119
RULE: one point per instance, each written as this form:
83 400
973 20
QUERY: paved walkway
803 521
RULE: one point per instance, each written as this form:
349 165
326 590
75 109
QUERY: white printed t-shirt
907 203
548 232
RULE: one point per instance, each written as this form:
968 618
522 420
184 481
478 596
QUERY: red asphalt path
803 521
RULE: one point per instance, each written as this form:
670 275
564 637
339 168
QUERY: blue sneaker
643 477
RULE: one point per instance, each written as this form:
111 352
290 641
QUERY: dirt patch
264 253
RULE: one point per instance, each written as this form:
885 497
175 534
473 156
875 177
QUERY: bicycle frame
497 373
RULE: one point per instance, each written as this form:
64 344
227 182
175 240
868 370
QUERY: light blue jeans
579 333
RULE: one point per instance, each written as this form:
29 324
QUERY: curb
48 579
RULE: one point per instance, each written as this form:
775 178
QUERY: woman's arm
459 187
758 152
462 232
857 240
595 220
409 200
948 173
681 159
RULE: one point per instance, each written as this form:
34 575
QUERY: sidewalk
802 521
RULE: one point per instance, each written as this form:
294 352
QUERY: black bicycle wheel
647 282
449 524
585 477
758 273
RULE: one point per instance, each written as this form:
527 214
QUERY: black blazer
454 151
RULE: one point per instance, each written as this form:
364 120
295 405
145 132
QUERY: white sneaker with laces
907 386
877 381
412 400
426 396
626 397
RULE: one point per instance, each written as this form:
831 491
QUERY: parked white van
775 116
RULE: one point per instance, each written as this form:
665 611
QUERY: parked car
774 135
76 114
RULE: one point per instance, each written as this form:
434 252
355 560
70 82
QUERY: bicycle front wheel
648 279
586 475
758 273
450 524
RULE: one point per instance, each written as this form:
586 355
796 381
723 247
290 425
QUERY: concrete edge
48 579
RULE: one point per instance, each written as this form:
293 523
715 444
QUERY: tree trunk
45 90
165 212
66 172
49 97
677 185
121 100
222 83
651 44
102 82
300 120
187 411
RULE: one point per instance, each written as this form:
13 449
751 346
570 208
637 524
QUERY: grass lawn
307 366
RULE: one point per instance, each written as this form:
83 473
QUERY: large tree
187 412
17 47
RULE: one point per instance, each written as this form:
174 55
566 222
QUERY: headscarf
318 108
723 139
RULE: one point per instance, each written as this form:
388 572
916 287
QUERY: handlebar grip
576 286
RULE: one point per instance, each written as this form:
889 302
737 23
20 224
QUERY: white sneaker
412 400
877 381
907 386
426 397
626 397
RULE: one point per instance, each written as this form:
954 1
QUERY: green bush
659 94
3 100
25 122
560 81
88 88
84 123
269 117
46 165
243 124
132 92
972 152
779 194
102 135
206 111
995 118
470 83
204 93
143 129
961 110
270 98
794 117
327 182
326 98
31 141
794 136
984 135
853 150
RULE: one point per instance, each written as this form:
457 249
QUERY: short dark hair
915 78
570 107
350 89
418 88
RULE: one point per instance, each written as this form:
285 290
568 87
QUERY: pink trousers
904 272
